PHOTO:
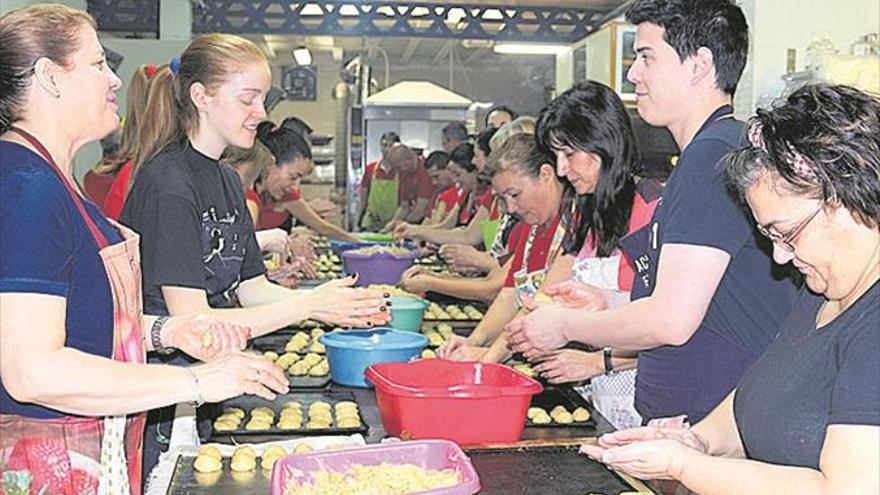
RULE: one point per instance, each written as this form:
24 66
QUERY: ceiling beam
410 50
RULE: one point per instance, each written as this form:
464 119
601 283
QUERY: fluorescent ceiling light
529 49
303 56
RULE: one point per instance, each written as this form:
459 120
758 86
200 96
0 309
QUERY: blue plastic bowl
350 352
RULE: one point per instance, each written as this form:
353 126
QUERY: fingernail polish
388 303
370 324
383 308
386 295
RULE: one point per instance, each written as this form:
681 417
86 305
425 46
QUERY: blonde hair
170 114
521 125
520 153
28 34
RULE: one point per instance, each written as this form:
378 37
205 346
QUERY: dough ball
243 463
562 417
210 450
581 414
303 448
542 418
534 411
348 422
207 464
244 450
234 411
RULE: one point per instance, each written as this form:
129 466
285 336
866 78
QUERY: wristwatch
609 365
156 336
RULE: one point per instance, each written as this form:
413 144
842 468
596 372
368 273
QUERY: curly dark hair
718 25
823 141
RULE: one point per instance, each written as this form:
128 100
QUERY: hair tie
150 71
174 65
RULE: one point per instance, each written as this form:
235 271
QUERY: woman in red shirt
280 188
120 168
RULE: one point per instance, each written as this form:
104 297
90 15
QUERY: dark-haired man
705 300
454 134
500 115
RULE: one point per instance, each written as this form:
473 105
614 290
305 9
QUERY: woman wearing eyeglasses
805 418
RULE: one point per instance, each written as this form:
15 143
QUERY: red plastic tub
466 402
427 454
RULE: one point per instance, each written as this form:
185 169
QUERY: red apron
82 455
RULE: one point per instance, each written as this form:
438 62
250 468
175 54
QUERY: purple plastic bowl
377 268
427 454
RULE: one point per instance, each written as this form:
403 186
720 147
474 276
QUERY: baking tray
551 397
248 402
275 342
307 382
186 481
302 327
550 470
459 330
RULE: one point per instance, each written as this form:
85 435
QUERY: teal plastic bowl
407 313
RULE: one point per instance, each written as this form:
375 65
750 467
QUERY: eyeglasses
786 241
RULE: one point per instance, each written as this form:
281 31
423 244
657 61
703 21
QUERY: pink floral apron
84 455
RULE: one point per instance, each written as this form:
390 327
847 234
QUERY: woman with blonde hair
73 337
199 251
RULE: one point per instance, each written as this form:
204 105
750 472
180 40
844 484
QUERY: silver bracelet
197 386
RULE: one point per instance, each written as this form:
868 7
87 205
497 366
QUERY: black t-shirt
195 229
749 303
809 379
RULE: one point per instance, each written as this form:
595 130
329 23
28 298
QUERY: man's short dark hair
437 159
390 137
718 25
456 131
501 108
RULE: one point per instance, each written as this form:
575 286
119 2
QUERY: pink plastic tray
427 454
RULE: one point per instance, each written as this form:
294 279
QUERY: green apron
382 202
489 228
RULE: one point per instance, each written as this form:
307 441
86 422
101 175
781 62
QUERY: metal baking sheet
186 481
309 382
551 397
550 470
275 342
460 330
248 402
